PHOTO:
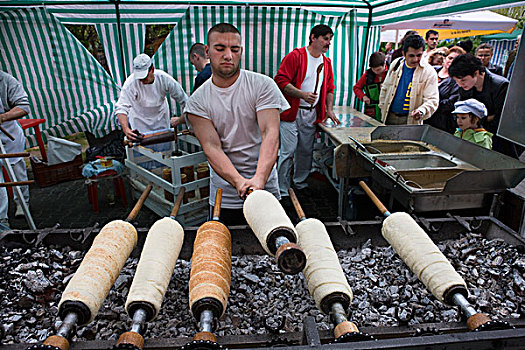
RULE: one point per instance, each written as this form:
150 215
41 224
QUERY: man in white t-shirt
235 116
431 39
307 81
142 106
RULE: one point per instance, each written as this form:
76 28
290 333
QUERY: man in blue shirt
201 63
409 93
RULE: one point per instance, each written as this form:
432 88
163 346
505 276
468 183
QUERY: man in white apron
14 104
142 106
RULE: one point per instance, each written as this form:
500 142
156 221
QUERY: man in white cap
142 106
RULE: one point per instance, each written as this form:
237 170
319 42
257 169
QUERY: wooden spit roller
427 262
158 137
275 230
89 287
324 275
210 277
152 277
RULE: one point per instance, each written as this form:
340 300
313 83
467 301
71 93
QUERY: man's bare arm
13 114
268 120
211 145
124 124
330 109
292 91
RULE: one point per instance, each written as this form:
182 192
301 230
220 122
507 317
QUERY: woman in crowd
448 94
476 81
437 56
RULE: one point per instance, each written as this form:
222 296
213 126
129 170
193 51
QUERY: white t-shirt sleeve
270 96
125 101
196 103
176 91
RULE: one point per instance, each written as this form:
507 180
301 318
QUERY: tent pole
119 31
367 37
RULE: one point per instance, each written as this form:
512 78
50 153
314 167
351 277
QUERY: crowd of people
258 132
427 84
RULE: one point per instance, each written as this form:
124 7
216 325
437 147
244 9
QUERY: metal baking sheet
353 123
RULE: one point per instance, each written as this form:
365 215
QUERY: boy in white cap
142 106
469 114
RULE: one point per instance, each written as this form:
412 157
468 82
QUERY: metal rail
453 336
344 234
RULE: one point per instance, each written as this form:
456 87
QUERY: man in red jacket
306 79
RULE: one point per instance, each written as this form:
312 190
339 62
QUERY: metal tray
452 174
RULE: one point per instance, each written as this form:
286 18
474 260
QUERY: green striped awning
120 57
398 11
68 87
63 80
280 29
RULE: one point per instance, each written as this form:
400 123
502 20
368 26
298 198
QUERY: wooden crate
195 210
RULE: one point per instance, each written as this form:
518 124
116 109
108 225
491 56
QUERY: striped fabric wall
72 91
268 34
120 59
397 11
83 13
63 80
500 46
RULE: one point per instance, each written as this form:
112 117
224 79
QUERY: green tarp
70 89
65 84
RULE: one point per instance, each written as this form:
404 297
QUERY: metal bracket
428 226
43 234
346 226
424 222
310 332
81 238
461 221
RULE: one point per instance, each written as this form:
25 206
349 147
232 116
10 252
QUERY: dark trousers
229 217
396 119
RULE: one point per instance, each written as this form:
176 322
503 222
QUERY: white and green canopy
69 88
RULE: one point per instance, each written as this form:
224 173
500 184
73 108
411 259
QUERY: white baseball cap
141 65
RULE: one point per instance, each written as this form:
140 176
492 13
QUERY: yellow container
106 163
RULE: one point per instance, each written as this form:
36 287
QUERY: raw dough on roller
157 261
323 272
264 214
101 266
210 275
420 254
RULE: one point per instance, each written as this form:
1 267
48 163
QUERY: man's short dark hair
198 49
222 28
414 41
407 34
320 30
464 65
377 59
429 33
466 45
485 46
